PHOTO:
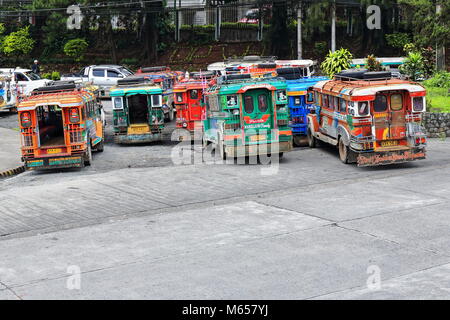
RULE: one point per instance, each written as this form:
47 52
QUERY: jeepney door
397 119
258 114
381 117
195 108
389 118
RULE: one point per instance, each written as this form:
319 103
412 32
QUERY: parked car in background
18 83
103 76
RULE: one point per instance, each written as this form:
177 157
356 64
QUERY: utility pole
299 31
440 49
333 26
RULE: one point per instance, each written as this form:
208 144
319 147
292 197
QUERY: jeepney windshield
380 103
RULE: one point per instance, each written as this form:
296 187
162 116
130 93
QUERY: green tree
76 48
336 61
372 64
18 42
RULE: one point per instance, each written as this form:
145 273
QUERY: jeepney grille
282 122
27 137
76 137
27 141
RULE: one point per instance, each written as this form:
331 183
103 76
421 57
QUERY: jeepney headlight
236 112
185 124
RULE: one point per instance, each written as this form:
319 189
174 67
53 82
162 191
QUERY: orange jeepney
60 126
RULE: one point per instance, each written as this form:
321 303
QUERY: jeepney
138 115
372 118
188 97
60 126
299 101
247 117
166 79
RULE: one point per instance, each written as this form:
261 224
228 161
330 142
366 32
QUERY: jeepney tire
344 151
297 141
88 157
221 147
100 146
312 141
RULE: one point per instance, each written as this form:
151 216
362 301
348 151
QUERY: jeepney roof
295 63
367 88
133 90
190 84
63 99
242 86
302 84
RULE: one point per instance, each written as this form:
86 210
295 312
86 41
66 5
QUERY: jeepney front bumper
366 159
137 138
63 162
258 149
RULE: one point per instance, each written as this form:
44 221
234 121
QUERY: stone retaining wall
437 124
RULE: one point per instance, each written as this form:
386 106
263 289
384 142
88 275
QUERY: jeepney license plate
53 151
389 143
138 130
258 138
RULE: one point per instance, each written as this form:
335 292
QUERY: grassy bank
438 99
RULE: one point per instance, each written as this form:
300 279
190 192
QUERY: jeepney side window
363 108
380 103
325 101
248 104
342 105
418 104
118 103
156 101
317 97
331 102
396 102
194 94
206 102
336 103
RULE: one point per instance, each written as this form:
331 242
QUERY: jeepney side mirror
310 97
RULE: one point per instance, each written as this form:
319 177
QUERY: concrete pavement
10 149
314 230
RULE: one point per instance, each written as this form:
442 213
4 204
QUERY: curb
12 172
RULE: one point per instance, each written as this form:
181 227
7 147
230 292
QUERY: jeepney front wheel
172 114
312 141
88 156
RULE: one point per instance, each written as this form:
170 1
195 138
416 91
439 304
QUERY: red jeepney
188 95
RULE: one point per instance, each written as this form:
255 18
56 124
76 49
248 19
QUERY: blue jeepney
299 103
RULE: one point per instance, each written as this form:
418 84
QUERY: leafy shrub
409 47
55 76
76 48
18 42
397 40
46 75
440 80
372 64
336 61
413 66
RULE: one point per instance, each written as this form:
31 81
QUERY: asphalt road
137 225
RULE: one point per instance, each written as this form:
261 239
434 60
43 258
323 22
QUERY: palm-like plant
336 61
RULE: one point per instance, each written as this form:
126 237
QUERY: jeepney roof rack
203 75
363 74
154 69
134 80
57 86
291 73
245 77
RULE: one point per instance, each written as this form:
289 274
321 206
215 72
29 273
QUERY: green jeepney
247 117
138 116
